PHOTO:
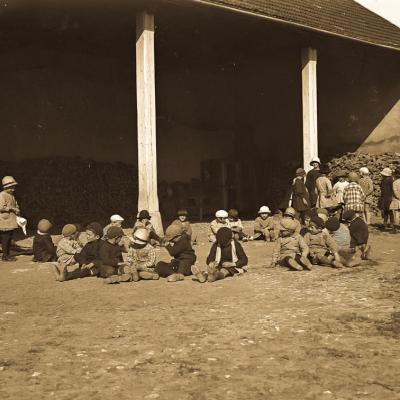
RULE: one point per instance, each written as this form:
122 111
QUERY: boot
337 264
118 278
216 276
366 252
294 265
304 261
199 275
147 275
175 278
135 275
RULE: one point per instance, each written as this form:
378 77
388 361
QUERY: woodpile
66 190
374 162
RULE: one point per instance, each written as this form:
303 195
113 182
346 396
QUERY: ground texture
268 334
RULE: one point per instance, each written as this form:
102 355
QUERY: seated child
115 220
220 221
68 246
264 225
290 249
323 249
226 257
359 233
183 222
179 247
339 232
112 262
236 225
88 258
143 221
141 258
289 214
43 246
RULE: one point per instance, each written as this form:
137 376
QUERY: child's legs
185 267
106 270
164 269
6 238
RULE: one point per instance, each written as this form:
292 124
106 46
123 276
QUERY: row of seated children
329 243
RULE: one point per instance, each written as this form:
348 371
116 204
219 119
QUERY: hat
332 224
144 214
315 160
324 169
221 214
141 236
22 222
300 171
96 228
114 232
69 230
182 213
341 173
364 170
349 215
116 218
322 211
288 224
318 222
264 210
386 172
8 182
353 177
224 236
290 211
173 231
44 225
233 213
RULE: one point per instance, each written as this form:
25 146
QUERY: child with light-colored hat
220 221
264 225
115 220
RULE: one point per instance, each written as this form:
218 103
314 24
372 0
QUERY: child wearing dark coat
179 247
359 233
43 246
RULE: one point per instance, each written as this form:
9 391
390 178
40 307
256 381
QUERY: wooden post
146 118
310 120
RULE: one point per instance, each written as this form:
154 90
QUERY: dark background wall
228 87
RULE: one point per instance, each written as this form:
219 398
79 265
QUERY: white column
310 117
146 118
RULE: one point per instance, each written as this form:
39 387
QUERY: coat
311 179
386 193
326 196
9 210
300 196
395 203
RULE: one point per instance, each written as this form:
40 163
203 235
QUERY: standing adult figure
311 179
326 198
386 197
300 196
9 210
368 187
395 204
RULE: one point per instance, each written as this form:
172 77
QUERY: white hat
22 222
8 182
264 210
116 218
315 159
221 214
386 172
364 170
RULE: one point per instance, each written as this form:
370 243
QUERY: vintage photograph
200 199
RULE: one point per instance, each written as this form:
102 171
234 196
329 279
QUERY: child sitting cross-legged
141 258
43 246
183 222
290 249
264 226
323 249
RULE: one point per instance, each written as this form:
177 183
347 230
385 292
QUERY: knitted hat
116 218
221 214
96 228
224 236
264 210
341 173
114 232
324 169
8 182
315 160
318 222
144 214
141 236
364 170
173 231
300 172
353 177
182 213
44 225
332 224
233 213
288 224
290 211
349 215
386 172
69 230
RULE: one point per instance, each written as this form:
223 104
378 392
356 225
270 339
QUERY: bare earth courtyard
268 334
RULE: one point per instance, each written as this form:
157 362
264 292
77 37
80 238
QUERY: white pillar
310 117
146 118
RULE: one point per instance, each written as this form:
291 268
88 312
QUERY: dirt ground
268 334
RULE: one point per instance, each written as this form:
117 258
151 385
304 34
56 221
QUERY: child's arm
212 254
241 255
303 247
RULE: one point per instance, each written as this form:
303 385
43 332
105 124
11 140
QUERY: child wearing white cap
264 225
115 220
220 221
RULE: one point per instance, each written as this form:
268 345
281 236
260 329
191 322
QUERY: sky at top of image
388 9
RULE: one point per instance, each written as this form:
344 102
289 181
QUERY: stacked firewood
66 190
374 162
